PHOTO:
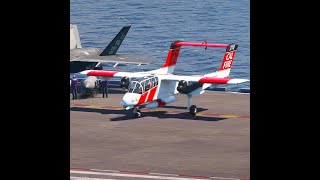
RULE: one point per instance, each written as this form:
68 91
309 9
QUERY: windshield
142 84
135 87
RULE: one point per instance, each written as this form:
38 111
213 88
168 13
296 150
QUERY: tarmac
106 142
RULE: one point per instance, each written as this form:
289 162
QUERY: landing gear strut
193 109
137 113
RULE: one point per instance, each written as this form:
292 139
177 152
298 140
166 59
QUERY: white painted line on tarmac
104 170
223 178
133 175
87 178
145 175
161 174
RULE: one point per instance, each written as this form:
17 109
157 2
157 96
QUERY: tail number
229 56
228 61
227 64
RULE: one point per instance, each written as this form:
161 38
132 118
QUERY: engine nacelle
184 88
124 82
181 86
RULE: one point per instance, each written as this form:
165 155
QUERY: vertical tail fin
168 66
172 58
227 61
114 45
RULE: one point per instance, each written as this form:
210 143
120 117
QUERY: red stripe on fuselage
152 93
143 98
102 73
214 80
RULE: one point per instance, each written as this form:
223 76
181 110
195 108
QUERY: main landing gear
192 109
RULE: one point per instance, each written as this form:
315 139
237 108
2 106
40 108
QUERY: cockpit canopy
142 84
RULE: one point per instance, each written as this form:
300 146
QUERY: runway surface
106 142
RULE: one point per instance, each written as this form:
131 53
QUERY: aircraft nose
124 103
129 100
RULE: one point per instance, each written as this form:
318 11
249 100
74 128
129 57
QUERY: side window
152 82
137 89
140 90
156 79
132 87
147 85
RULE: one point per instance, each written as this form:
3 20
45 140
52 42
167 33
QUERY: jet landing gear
193 109
137 113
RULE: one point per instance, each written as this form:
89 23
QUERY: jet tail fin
114 45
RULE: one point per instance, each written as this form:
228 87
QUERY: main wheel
193 110
137 114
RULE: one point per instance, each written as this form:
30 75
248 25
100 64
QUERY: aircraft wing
202 79
101 73
120 59
167 77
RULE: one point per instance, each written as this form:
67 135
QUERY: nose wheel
137 113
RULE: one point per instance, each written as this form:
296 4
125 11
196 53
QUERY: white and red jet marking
158 87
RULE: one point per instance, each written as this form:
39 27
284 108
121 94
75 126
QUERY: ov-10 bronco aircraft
158 87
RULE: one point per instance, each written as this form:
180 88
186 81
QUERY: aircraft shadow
183 107
82 95
128 115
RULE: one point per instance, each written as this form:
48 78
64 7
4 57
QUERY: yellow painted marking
94 106
229 116
199 114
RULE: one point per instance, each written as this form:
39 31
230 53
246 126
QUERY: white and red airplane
158 87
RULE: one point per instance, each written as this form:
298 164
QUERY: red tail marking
175 49
227 60
152 93
172 57
203 44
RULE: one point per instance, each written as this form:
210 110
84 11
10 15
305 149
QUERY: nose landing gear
137 113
